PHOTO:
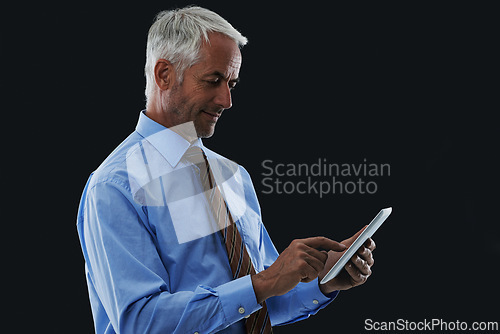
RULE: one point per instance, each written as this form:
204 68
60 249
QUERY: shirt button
241 310
315 301
196 333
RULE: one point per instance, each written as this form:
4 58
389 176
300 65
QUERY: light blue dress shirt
148 268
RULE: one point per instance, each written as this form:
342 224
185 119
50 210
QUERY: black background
413 85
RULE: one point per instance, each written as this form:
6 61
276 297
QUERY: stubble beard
178 105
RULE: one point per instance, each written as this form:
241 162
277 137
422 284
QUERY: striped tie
239 260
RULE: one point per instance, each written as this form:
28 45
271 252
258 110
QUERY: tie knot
195 155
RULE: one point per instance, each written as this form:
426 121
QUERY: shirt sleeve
131 283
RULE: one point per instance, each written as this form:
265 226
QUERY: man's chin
205 135
205 131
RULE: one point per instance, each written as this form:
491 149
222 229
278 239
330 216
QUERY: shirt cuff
312 298
238 299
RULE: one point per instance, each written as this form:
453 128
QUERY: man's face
206 89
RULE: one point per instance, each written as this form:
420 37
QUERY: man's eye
216 82
213 82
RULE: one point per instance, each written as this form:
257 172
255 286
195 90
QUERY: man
159 257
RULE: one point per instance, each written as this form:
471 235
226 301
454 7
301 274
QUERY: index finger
325 243
351 240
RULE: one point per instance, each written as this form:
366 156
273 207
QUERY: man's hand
357 270
301 261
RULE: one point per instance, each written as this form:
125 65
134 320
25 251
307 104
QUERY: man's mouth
211 115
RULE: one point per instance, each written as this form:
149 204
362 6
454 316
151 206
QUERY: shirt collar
169 143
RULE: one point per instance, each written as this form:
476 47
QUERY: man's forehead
221 54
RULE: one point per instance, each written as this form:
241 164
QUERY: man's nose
223 97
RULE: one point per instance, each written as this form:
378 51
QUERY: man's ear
164 74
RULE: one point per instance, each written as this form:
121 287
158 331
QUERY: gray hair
176 35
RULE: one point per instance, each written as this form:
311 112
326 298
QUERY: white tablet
360 240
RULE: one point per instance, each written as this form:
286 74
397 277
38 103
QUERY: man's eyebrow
222 76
